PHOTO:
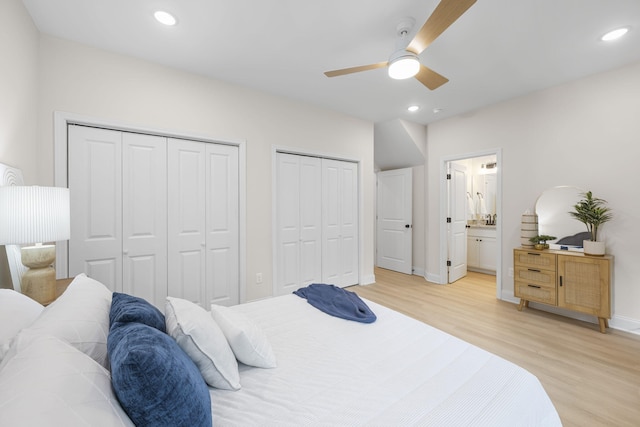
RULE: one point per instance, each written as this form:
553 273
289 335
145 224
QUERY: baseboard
626 324
620 323
417 271
433 278
368 279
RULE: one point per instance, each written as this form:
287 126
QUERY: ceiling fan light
403 65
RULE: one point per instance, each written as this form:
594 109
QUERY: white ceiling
498 49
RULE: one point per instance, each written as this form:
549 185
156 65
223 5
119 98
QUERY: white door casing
457 228
394 220
339 222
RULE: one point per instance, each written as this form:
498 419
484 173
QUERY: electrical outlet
258 278
511 272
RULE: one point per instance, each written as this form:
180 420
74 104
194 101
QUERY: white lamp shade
32 214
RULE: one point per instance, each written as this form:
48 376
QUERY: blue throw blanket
337 302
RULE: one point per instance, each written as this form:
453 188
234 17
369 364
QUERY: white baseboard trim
620 323
626 324
417 271
368 279
433 278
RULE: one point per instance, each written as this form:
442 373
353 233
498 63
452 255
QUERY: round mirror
553 207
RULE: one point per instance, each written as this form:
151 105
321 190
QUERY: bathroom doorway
480 199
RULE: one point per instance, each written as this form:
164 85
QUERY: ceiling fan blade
445 14
351 70
430 78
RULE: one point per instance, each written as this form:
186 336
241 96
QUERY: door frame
60 147
302 152
444 206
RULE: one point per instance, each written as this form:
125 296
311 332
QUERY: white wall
18 89
92 82
18 99
585 133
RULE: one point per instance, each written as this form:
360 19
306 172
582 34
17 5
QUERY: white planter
593 248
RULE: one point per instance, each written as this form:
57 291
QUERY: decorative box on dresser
570 280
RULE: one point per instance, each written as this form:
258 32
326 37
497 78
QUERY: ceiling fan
404 62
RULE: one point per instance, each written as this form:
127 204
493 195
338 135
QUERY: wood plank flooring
593 379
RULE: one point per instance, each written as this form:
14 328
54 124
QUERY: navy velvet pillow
126 308
156 383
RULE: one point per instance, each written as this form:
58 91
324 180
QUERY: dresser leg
604 324
523 303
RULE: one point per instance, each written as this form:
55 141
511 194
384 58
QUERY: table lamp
32 214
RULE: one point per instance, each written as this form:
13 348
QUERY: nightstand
61 286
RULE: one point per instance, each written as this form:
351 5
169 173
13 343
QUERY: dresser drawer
535 292
536 276
535 260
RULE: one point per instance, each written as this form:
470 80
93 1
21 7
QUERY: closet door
222 225
298 222
339 222
95 189
186 220
144 216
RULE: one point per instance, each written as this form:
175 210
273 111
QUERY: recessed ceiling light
413 108
165 18
615 34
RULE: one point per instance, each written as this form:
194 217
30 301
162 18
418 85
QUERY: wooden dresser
570 280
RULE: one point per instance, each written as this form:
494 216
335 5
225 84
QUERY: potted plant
540 242
592 212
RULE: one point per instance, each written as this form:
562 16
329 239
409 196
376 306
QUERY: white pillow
201 338
80 316
17 311
49 382
248 342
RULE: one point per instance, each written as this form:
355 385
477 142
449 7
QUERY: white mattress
394 372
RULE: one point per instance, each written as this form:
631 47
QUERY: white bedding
394 372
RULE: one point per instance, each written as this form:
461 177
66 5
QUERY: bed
327 371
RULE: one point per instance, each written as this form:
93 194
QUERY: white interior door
144 216
339 222
186 219
457 228
95 189
222 225
394 220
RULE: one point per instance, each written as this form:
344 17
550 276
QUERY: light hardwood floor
593 379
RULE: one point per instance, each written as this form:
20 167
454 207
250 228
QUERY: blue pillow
156 383
127 308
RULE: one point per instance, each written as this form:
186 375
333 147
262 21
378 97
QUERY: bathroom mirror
553 207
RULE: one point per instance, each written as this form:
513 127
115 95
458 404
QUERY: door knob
407 226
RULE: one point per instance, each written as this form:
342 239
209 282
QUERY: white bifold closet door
339 222
299 222
316 222
152 216
203 222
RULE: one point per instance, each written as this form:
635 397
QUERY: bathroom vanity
482 248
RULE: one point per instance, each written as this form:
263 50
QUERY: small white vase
593 248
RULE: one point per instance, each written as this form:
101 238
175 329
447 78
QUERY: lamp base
39 282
